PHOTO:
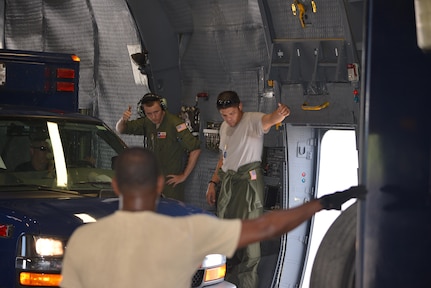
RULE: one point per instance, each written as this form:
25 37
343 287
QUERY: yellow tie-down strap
306 107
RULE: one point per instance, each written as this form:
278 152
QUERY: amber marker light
75 58
215 273
39 279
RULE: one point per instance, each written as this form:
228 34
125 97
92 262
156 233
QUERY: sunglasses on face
40 148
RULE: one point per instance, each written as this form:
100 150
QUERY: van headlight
215 267
39 260
49 247
42 253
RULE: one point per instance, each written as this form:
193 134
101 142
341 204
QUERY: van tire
334 264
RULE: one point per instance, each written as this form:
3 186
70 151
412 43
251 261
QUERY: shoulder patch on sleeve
181 127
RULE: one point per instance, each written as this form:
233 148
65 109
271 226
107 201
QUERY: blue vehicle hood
62 216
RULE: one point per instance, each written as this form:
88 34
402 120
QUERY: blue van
56 169
55 175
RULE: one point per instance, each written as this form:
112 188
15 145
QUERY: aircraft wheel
334 265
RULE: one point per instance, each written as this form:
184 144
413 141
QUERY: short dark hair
227 99
136 167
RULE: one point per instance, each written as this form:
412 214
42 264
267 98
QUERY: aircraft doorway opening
338 171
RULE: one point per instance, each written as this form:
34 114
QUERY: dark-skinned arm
276 223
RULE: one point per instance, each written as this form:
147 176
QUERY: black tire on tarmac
334 264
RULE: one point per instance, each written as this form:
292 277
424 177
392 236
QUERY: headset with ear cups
151 97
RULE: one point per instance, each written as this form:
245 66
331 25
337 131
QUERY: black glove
335 200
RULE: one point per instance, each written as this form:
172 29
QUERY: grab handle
314 108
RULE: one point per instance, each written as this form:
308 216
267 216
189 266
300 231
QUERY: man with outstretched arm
137 247
240 176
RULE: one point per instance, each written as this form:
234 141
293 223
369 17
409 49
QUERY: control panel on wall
273 163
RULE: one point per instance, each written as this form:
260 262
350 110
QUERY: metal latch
2 74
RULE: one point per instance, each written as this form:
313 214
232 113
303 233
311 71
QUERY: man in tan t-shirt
136 247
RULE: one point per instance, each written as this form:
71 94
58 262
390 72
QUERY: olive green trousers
241 196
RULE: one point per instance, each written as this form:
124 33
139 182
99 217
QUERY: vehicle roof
27 111
14 54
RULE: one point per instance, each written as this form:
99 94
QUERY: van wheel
334 265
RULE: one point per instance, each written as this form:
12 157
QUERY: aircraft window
338 171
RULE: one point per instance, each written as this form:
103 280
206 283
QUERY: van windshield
57 154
